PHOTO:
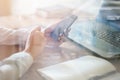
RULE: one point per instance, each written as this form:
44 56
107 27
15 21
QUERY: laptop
100 37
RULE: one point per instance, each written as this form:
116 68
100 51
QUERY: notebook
83 68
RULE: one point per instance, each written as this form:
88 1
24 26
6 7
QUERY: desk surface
58 55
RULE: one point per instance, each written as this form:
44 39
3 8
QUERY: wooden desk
8 50
50 57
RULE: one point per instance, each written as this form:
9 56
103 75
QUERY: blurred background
18 7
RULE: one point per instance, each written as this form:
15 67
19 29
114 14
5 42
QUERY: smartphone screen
63 26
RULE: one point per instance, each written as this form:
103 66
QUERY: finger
38 28
31 35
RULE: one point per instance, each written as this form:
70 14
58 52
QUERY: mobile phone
62 27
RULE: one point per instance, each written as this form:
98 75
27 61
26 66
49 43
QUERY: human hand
35 42
50 40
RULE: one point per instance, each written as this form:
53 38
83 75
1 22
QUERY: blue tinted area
115 24
98 34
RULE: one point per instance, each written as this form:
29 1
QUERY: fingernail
37 31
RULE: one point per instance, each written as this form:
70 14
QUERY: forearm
12 37
17 65
8 36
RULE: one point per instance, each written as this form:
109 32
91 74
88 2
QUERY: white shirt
13 67
10 36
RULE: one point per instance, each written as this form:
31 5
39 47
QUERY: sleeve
19 36
15 66
12 37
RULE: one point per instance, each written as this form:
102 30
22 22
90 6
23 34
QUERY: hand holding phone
63 27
